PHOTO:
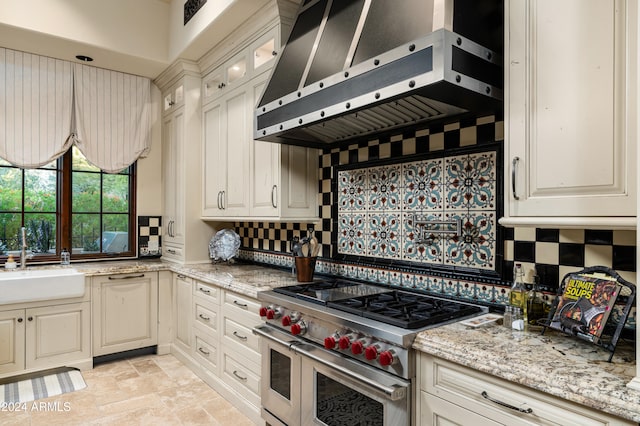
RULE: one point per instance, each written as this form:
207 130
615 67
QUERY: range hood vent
353 68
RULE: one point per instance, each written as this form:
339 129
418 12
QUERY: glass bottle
518 294
508 315
65 257
535 304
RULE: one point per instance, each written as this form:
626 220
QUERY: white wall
123 35
149 169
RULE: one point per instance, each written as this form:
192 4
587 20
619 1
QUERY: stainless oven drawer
298 377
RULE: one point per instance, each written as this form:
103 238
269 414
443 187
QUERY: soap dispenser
65 257
10 263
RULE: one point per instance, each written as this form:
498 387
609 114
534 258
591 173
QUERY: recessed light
84 58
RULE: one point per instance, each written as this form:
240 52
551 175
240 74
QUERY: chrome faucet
23 252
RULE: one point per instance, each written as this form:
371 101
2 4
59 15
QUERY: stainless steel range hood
352 68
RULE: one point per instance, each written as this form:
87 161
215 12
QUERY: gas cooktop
396 307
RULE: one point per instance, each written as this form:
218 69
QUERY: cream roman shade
47 104
113 116
36 95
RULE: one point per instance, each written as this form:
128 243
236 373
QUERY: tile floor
148 390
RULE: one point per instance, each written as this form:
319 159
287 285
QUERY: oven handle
393 392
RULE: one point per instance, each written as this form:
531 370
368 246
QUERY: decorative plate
224 245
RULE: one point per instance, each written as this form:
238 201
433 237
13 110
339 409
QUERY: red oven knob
371 352
274 313
329 342
298 328
344 342
357 347
286 321
263 312
386 358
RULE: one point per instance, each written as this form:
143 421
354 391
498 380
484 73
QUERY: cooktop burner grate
405 310
398 308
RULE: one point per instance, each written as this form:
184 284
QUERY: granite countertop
554 363
242 278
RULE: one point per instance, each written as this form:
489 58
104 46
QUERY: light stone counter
554 363
241 278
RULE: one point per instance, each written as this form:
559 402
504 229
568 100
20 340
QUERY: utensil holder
305 267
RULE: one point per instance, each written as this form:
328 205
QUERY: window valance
46 105
36 97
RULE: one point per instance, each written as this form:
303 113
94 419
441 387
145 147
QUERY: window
68 203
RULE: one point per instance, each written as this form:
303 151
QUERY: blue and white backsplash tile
379 205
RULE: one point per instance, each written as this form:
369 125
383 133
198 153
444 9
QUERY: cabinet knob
30 319
20 320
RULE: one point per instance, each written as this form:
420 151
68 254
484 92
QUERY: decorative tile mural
438 210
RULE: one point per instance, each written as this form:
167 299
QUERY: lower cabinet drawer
240 337
172 252
501 400
205 317
242 375
437 411
206 351
243 308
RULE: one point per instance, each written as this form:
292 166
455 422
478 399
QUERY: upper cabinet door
571 114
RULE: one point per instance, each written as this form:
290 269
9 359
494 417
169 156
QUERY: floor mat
42 387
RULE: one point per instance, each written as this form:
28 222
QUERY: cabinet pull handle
172 251
204 317
224 203
274 192
182 276
235 373
204 290
127 277
219 200
242 305
239 336
202 351
486 396
514 162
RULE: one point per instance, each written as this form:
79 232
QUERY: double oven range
338 352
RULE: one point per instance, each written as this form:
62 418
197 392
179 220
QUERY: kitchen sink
30 285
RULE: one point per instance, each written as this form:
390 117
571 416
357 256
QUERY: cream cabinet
571 115
213 336
125 312
247 179
251 59
206 322
45 336
181 165
449 393
243 178
240 359
182 306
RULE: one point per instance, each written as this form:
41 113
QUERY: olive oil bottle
518 294
535 304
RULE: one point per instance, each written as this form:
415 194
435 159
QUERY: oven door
306 384
280 382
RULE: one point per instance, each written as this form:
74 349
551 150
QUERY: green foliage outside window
100 207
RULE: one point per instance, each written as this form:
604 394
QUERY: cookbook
585 305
